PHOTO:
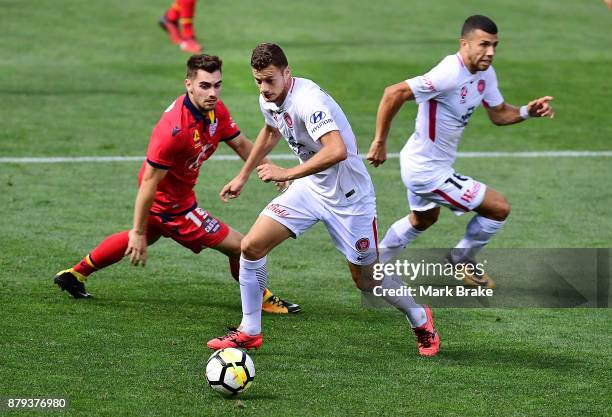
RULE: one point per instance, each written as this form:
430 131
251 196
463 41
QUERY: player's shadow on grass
502 358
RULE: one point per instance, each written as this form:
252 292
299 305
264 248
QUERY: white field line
74 159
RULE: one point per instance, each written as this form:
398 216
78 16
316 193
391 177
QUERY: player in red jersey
187 134
181 14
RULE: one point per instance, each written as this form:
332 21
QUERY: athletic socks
253 282
399 235
174 12
183 12
110 251
405 303
187 8
479 232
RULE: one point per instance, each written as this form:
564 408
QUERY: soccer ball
230 371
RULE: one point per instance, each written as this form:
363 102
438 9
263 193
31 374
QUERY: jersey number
450 180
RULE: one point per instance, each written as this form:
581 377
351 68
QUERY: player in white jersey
332 185
447 97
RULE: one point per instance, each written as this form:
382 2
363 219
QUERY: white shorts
352 228
455 191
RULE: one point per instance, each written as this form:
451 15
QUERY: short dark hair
208 63
478 22
266 54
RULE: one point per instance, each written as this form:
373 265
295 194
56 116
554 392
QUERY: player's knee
251 249
422 221
501 210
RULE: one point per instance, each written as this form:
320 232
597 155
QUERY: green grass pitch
91 78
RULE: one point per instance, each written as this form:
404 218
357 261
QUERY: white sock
478 233
399 235
414 312
253 281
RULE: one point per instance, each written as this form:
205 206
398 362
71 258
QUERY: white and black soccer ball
230 371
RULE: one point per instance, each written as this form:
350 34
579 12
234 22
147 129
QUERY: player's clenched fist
270 172
232 189
377 154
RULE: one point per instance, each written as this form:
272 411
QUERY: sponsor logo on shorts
210 224
362 244
317 116
277 209
470 194
481 86
288 120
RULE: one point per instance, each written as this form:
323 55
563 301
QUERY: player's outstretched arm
332 152
392 100
507 114
267 138
137 245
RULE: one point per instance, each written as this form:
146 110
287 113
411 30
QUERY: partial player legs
489 220
494 206
418 316
264 236
230 246
178 23
110 251
363 276
404 231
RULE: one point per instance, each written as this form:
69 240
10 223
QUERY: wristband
524 112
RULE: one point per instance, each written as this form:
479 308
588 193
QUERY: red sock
108 252
234 268
187 12
174 12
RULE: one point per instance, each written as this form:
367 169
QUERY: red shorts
194 228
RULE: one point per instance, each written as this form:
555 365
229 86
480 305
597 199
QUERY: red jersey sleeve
162 147
228 129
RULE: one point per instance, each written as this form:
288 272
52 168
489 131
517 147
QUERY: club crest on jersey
463 94
362 244
214 122
317 116
288 120
481 86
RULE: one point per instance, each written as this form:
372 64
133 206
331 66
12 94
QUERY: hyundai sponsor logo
317 116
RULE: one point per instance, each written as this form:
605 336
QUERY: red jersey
181 141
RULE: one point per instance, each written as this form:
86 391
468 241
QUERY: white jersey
447 96
307 114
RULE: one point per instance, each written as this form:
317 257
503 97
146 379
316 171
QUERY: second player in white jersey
306 114
447 96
